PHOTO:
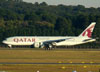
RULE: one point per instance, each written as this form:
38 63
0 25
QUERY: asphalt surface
57 63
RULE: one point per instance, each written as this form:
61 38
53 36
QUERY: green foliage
18 18
63 26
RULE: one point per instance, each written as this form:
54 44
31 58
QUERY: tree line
18 18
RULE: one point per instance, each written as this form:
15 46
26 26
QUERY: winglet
88 31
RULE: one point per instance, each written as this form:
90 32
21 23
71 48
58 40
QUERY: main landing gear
49 47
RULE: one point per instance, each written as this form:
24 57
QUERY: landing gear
10 46
49 47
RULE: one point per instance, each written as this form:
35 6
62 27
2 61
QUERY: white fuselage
30 40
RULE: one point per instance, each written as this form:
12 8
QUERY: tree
31 17
36 4
82 21
63 26
48 18
43 4
2 24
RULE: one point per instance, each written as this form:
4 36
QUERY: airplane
52 41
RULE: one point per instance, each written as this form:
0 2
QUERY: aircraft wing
52 41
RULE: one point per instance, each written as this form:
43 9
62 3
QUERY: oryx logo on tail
88 31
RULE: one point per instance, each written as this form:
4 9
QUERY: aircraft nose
4 41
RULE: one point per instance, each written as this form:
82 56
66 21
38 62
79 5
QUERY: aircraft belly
24 43
19 43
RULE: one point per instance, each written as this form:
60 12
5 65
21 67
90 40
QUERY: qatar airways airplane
51 41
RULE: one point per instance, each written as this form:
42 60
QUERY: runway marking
57 63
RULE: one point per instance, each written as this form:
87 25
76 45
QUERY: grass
49 68
53 56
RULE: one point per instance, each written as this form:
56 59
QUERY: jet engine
36 45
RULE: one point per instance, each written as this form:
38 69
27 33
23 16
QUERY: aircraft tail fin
88 31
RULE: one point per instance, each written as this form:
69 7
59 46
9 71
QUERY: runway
57 63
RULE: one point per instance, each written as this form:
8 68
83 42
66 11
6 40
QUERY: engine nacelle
37 45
